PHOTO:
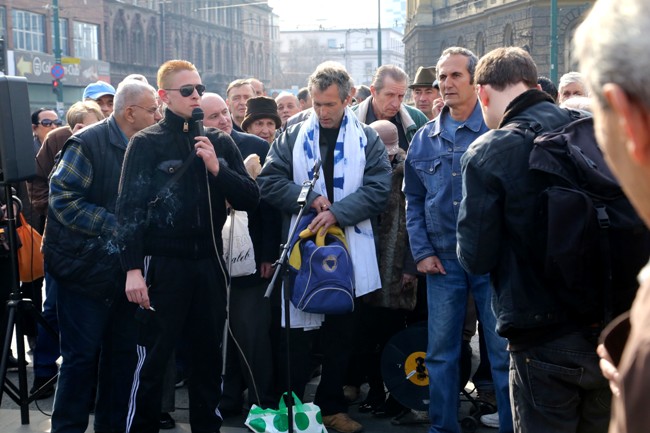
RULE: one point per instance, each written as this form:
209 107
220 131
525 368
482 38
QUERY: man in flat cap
426 92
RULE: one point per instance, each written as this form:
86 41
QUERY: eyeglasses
188 89
48 122
151 111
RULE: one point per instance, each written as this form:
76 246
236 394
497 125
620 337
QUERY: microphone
197 117
308 185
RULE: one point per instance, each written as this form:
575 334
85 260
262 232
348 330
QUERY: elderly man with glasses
96 324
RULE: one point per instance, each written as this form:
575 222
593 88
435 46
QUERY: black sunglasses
48 122
188 89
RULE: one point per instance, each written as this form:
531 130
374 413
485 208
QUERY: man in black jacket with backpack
555 382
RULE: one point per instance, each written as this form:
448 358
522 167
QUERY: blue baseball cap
96 90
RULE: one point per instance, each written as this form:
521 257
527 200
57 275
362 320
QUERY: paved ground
10 417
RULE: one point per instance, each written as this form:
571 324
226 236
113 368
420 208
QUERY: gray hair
394 72
363 92
328 73
611 47
303 94
472 60
569 78
284 93
129 92
138 77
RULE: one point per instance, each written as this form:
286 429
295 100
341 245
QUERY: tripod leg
28 307
19 395
6 347
13 316
22 367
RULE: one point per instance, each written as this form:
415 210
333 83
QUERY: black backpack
595 243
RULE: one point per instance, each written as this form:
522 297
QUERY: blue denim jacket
433 184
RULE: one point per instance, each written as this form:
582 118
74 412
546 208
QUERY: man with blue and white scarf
352 189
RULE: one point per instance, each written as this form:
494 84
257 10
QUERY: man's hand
205 151
438 104
431 265
320 204
609 370
408 278
266 269
136 288
322 222
77 127
325 217
253 165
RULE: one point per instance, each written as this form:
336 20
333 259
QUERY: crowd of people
438 206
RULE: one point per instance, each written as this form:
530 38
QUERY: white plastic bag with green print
306 418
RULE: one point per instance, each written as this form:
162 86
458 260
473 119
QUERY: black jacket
186 222
497 223
264 225
89 263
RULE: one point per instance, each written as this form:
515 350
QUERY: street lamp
378 33
553 59
57 52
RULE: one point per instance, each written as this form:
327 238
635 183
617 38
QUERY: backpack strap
606 262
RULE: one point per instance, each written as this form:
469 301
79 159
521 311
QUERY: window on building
152 43
331 43
28 30
86 40
63 37
508 36
480 44
209 57
189 46
251 58
119 39
177 46
198 57
137 41
369 43
3 23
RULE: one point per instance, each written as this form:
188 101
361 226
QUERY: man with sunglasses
96 324
171 246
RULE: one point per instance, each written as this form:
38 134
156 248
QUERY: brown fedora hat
261 107
425 76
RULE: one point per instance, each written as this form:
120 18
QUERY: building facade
27 28
483 25
300 51
109 39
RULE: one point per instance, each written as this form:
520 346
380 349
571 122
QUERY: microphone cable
227 282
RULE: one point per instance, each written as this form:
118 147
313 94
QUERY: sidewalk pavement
40 411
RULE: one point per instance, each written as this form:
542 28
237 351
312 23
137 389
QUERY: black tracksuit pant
184 292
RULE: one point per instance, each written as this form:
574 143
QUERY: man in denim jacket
433 188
